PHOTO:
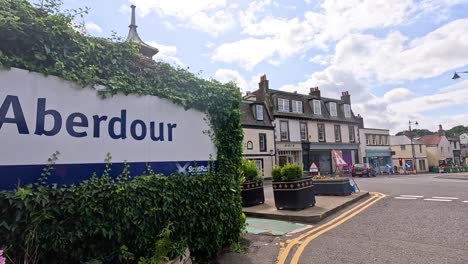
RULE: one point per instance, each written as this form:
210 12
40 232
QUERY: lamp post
457 76
412 144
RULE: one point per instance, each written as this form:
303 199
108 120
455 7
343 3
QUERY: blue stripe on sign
12 176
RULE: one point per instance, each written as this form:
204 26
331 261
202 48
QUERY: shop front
289 153
379 159
320 154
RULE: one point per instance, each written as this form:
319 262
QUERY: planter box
252 194
294 195
447 170
340 187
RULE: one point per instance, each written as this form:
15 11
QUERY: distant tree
456 131
416 132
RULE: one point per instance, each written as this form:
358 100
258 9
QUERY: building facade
308 127
259 139
375 148
403 151
456 148
464 139
439 149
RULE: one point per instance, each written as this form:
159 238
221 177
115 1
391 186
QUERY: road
418 221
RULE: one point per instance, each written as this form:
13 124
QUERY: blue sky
396 58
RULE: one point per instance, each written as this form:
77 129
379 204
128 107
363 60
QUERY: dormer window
333 111
259 112
317 108
296 106
283 105
347 110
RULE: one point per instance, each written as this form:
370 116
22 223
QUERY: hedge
118 220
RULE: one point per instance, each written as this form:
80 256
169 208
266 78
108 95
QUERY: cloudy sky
396 58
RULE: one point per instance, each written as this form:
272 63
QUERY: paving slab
324 206
273 227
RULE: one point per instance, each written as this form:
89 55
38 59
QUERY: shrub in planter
252 187
291 190
331 186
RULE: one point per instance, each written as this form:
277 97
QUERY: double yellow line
303 240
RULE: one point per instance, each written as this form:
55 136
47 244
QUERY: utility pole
412 144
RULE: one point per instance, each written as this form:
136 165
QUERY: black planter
294 194
339 187
252 194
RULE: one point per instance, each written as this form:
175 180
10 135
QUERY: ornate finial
133 24
133 36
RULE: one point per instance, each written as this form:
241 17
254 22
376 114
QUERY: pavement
422 219
324 207
453 176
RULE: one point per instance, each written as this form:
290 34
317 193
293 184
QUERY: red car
361 169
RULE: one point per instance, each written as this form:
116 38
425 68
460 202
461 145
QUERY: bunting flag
339 161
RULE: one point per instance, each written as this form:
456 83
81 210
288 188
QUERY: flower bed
290 189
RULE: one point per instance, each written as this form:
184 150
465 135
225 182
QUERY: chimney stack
315 91
441 131
263 87
345 97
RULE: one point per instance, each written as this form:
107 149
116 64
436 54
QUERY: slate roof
430 139
402 140
248 117
307 102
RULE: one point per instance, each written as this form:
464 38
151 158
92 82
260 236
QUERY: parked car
366 169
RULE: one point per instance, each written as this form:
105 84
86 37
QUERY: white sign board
40 115
313 167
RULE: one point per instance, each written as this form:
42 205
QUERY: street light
412 144
456 76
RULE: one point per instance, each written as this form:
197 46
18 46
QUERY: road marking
314 233
465 201
415 196
438 200
284 251
406 198
449 198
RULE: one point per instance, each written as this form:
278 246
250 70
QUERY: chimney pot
315 91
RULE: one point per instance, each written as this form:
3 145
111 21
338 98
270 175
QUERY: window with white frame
262 142
368 141
303 130
347 110
321 132
333 111
283 105
337 133
296 106
317 108
284 130
259 112
352 137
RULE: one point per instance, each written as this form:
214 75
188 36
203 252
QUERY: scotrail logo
188 169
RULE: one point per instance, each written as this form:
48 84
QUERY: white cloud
321 59
210 16
395 59
92 27
166 53
397 106
334 20
332 81
246 53
226 75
